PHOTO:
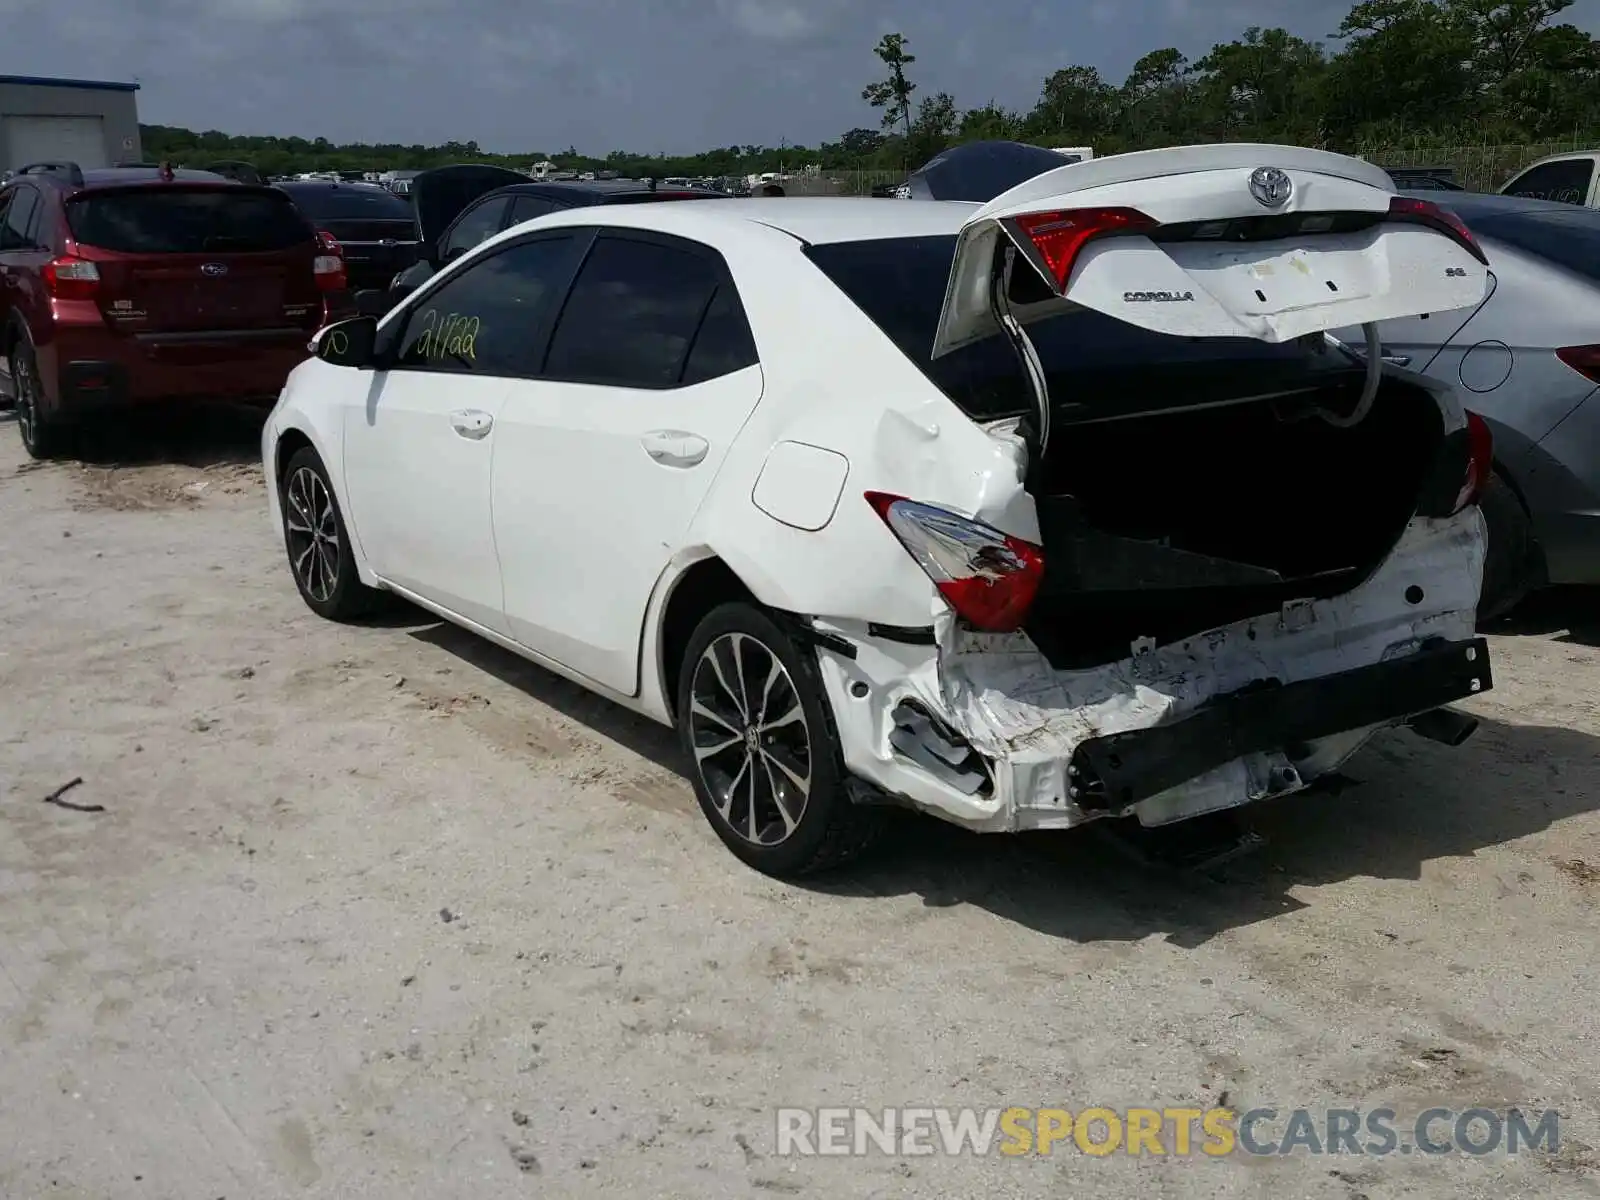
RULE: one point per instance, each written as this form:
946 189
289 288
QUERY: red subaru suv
132 285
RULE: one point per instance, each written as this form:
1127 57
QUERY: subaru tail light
329 264
1585 360
71 278
1412 211
990 578
1060 237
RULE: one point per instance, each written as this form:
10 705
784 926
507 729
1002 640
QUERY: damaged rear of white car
1186 551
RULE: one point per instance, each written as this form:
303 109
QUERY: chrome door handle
1397 360
675 448
471 423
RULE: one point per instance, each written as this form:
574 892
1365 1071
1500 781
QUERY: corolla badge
213 268
1271 187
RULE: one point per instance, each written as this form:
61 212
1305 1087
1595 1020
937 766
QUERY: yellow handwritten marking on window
449 336
338 341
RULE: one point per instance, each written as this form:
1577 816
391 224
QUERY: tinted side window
723 345
19 216
526 208
490 319
1566 181
476 225
632 315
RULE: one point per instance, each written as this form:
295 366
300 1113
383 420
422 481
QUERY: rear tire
1510 569
318 545
43 437
762 750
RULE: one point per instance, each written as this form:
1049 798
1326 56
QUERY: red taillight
329 264
1585 360
71 278
1060 237
990 578
1480 461
1439 218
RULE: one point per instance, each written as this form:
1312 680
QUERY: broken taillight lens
1060 237
990 578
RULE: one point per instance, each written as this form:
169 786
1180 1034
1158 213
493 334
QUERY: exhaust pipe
1444 725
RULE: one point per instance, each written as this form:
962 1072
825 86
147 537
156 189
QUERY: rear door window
633 314
492 318
1566 181
187 221
476 225
17 232
526 208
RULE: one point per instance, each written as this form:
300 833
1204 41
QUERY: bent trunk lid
1267 242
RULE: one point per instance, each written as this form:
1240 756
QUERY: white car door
418 443
602 462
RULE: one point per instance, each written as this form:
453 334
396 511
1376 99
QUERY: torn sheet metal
1027 718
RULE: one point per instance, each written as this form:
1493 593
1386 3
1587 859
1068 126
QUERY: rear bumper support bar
1116 770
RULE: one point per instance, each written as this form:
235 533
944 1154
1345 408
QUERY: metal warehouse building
89 122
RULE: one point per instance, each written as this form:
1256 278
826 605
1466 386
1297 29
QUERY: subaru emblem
1271 187
213 268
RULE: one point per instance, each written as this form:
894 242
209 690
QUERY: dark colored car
458 207
1425 179
375 229
133 284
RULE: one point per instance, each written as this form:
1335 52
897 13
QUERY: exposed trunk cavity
1160 526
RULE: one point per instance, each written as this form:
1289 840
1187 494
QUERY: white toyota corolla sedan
1083 503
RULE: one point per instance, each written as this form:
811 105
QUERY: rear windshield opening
188 221
350 204
1092 362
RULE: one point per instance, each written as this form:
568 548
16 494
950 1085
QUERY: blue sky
644 75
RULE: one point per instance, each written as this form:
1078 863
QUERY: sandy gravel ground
385 912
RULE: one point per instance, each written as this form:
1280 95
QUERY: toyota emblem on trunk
213 268
1271 187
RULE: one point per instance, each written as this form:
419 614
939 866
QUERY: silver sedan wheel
752 746
312 531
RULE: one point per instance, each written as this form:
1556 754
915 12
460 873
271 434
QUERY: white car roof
817 220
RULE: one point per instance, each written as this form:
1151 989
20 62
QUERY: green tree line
1439 72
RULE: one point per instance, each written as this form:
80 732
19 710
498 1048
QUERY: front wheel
763 755
318 544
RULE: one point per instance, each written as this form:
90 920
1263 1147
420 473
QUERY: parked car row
1055 507
139 284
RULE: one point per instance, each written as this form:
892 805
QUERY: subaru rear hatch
179 258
